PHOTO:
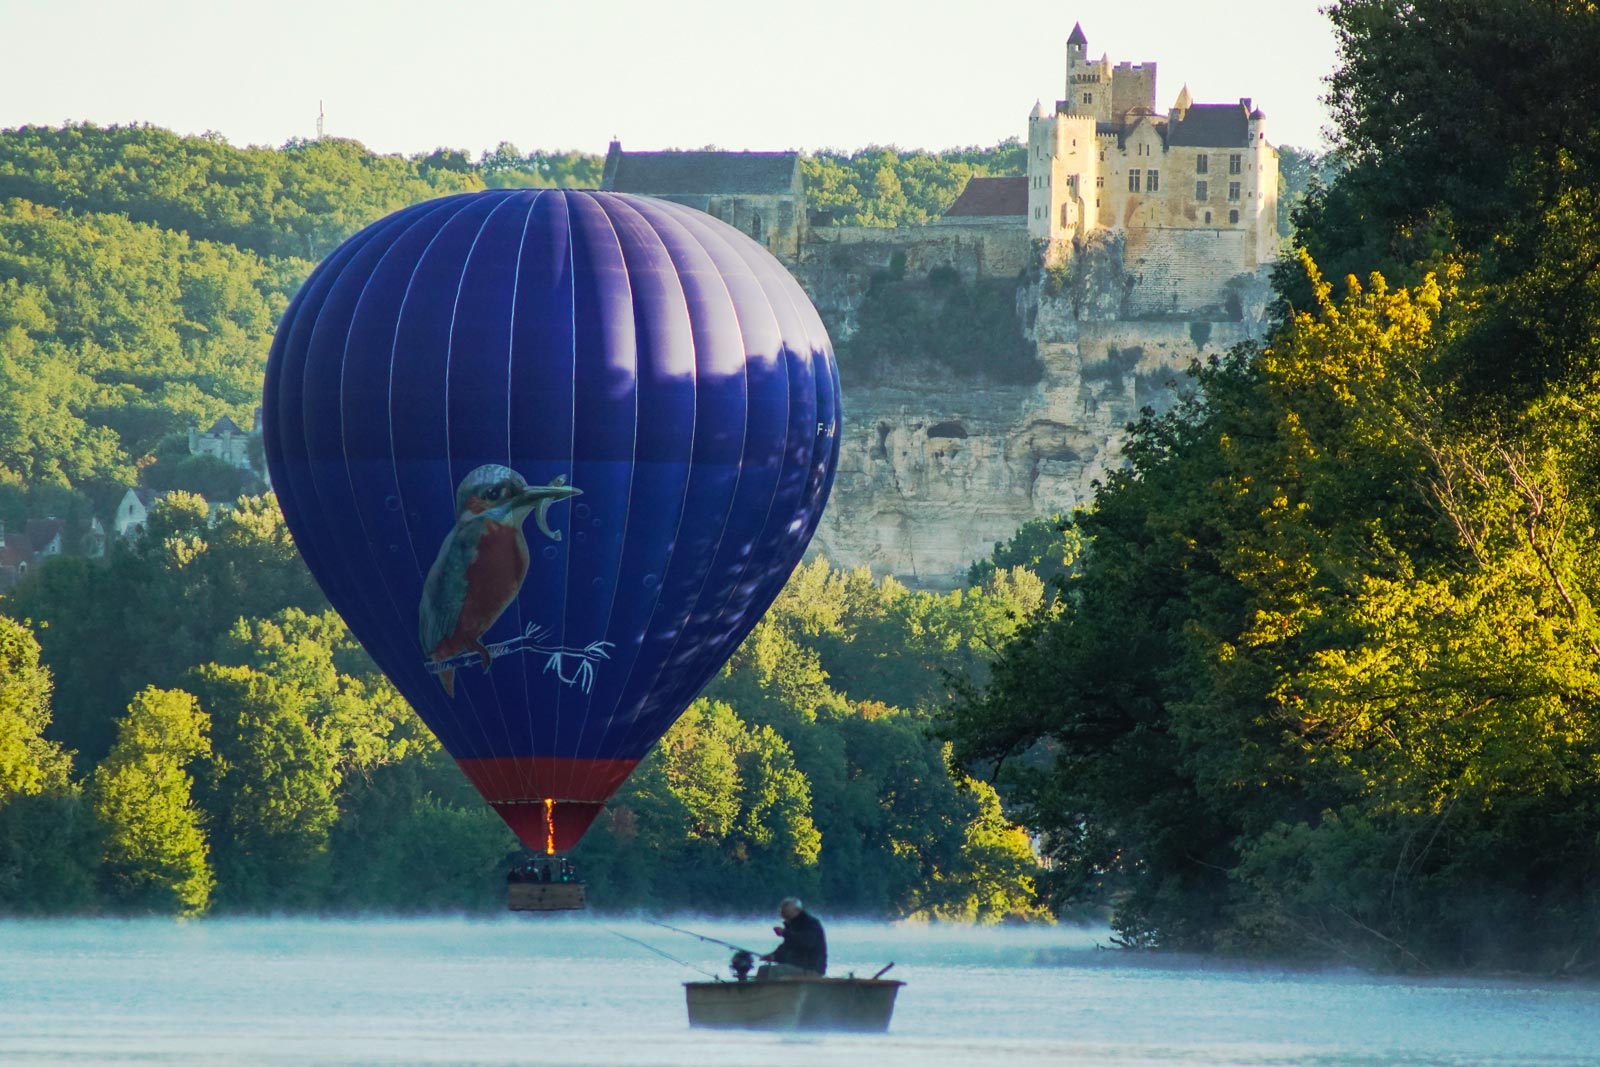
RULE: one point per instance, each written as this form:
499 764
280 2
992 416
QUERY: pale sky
412 75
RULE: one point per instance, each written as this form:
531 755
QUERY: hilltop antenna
321 118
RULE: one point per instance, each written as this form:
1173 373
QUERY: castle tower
1264 170
1063 167
1077 44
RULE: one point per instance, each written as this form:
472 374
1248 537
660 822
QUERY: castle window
1202 164
1235 163
1133 181
1065 221
1088 98
1152 180
757 230
1208 218
1099 181
1233 190
1200 189
1233 217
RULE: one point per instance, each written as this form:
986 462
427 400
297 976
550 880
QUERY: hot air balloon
551 454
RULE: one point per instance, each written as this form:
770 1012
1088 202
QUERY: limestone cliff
936 466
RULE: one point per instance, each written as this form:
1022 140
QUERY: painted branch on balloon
535 640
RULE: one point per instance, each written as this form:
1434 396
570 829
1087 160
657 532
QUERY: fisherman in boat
804 951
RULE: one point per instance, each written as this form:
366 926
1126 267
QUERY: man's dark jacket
804 944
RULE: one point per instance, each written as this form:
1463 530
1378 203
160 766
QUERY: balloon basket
545 896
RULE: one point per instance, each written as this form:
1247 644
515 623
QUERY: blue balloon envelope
551 454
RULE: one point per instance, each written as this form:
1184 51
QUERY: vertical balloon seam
810 493
721 235
761 263
276 407
688 314
639 723
572 455
819 342
394 349
600 201
392 240
316 360
524 784
757 258
732 247
444 399
633 476
620 744
449 446
576 225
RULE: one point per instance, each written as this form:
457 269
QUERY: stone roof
700 172
1211 126
990 197
1078 36
145 495
223 426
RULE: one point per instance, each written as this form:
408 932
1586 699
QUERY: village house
232 445
42 539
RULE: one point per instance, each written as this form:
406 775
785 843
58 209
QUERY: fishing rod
701 937
664 955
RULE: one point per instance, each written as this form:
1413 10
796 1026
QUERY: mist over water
565 990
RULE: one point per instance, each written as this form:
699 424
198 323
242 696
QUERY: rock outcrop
935 468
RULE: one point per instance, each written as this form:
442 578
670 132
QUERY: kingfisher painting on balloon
551 454
479 573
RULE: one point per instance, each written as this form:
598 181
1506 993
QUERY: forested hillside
185 726
1324 679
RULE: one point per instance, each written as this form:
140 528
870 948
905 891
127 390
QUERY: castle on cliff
1136 243
1105 159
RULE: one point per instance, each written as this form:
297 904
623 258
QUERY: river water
563 990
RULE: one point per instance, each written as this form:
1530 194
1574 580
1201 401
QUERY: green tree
47 834
155 855
270 793
29 762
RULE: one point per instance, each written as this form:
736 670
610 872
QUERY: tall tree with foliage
29 762
48 835
155 852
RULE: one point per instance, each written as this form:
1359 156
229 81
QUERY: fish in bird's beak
538 498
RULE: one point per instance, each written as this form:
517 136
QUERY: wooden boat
863 1005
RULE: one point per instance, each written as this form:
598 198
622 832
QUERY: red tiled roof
991 197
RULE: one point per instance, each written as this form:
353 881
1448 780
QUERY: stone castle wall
1180 270
837 264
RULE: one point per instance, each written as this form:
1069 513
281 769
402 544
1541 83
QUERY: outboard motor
743 962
